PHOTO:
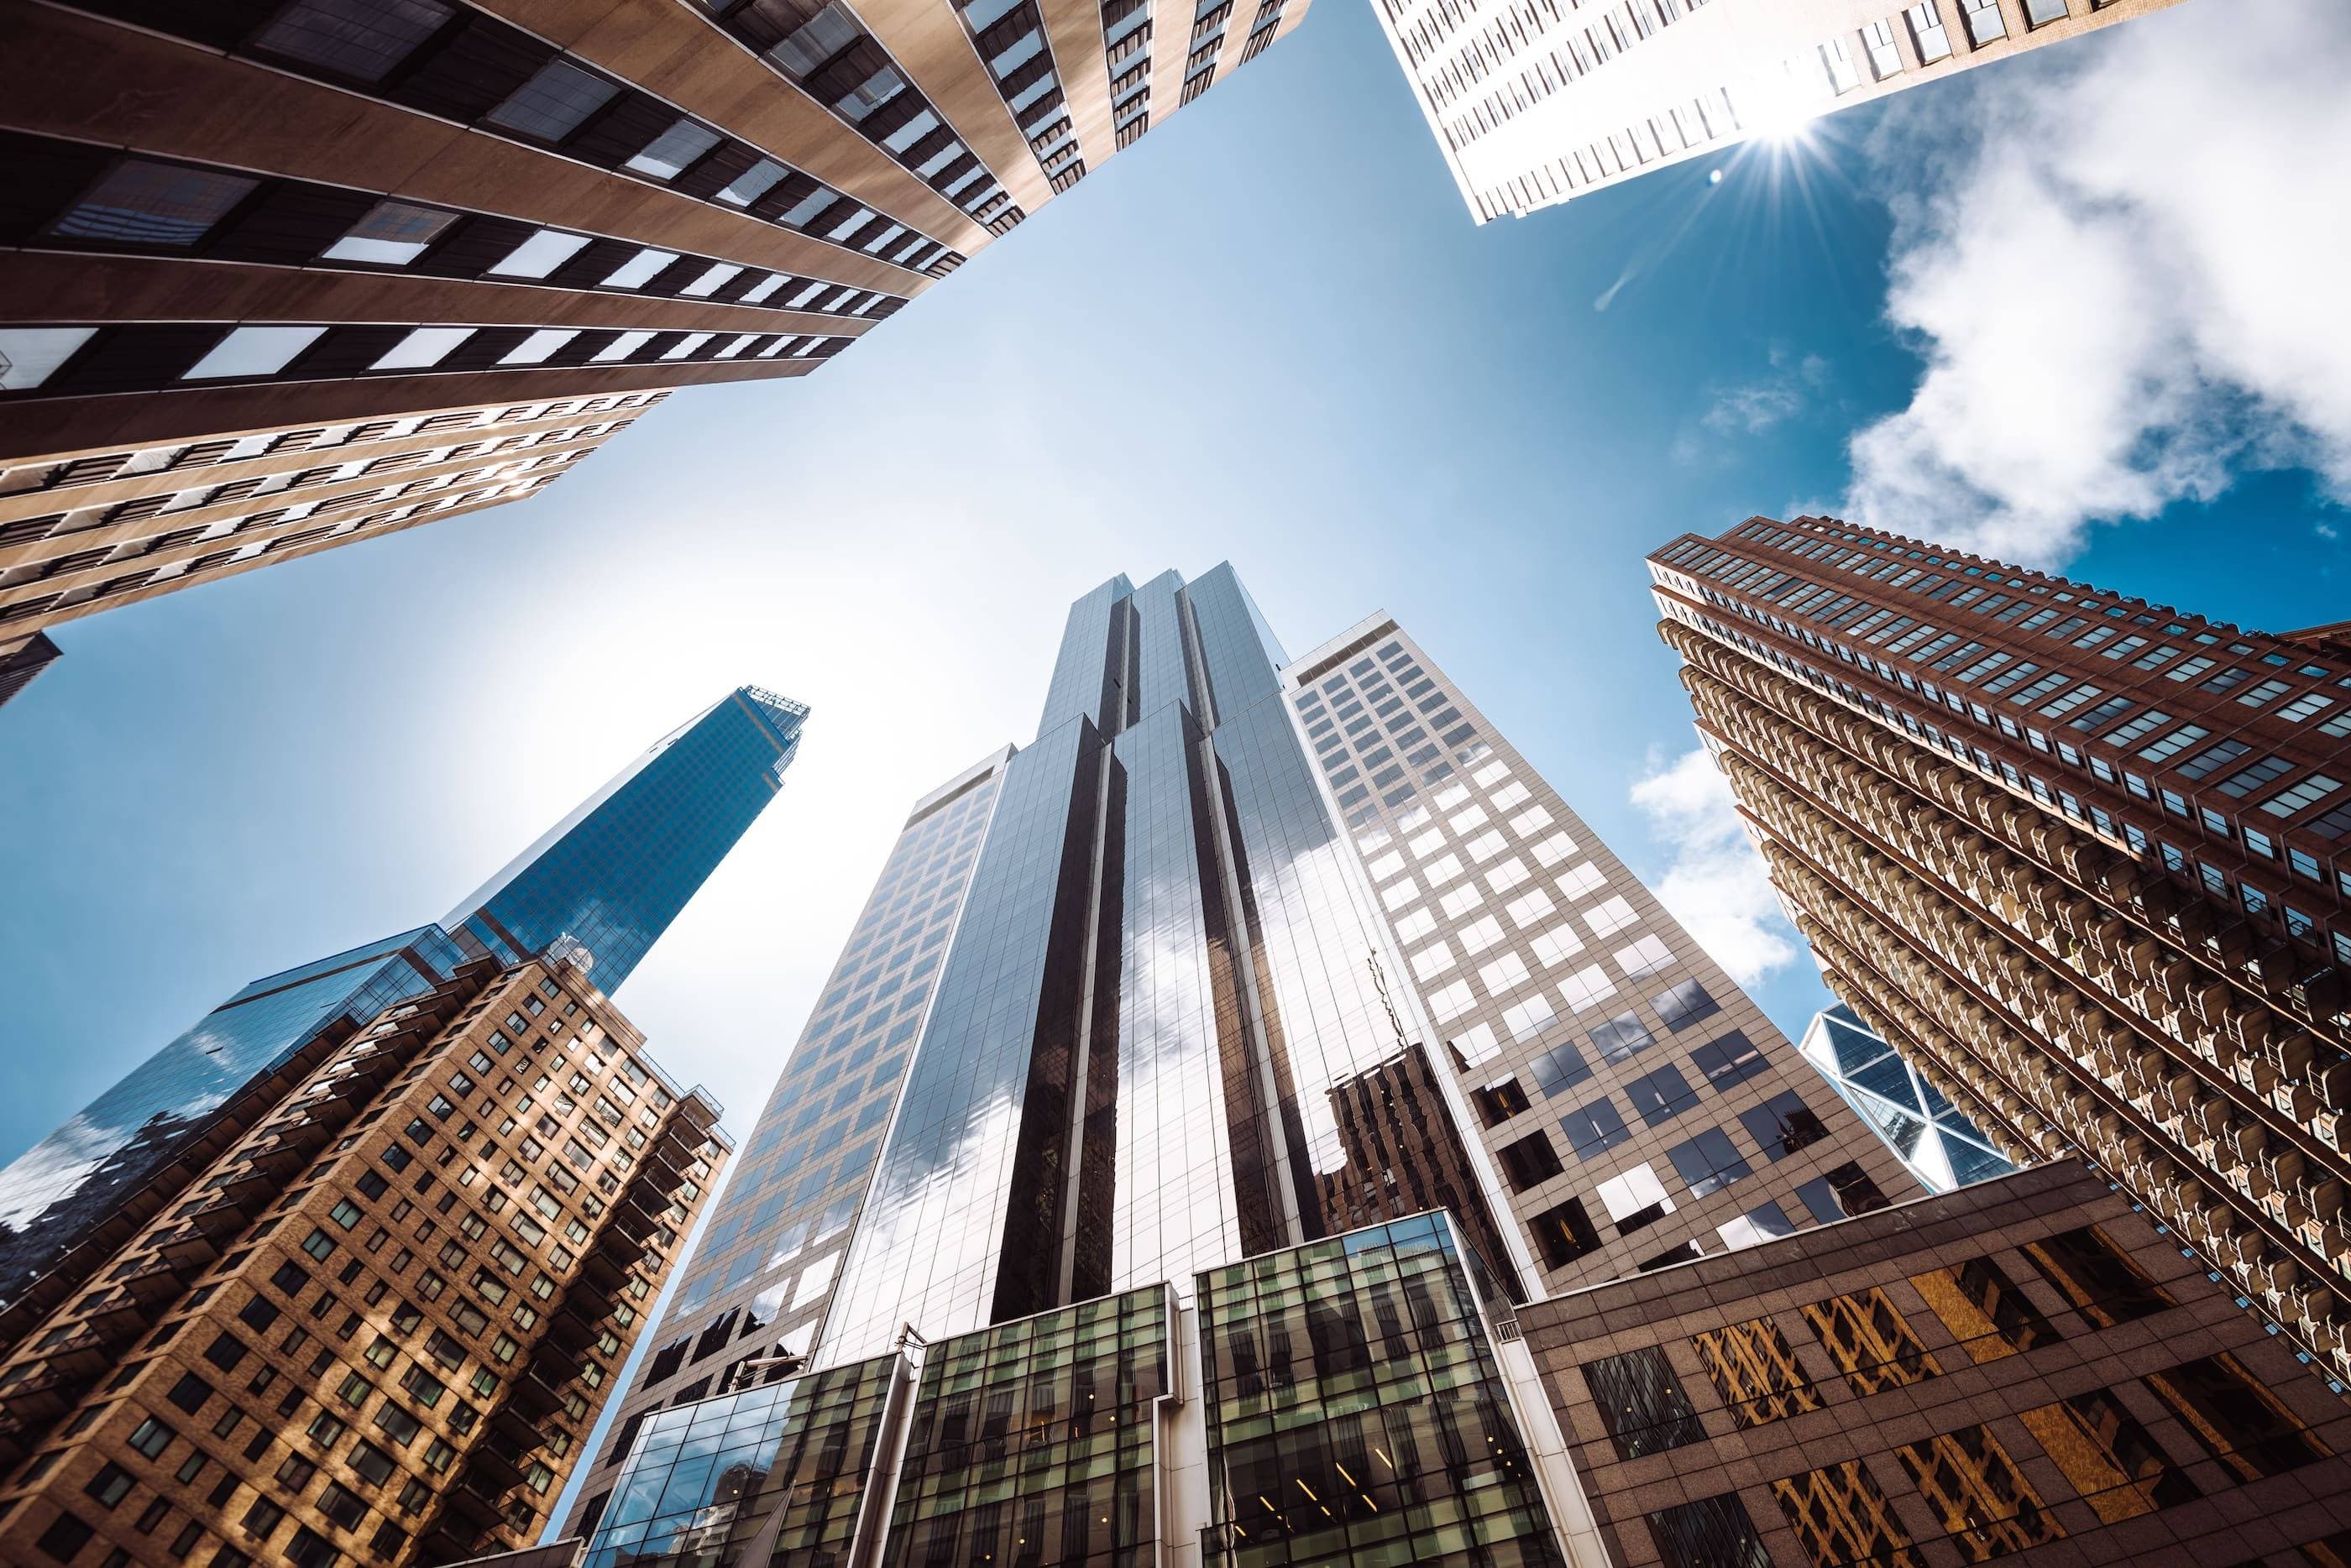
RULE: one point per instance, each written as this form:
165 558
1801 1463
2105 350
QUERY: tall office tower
607 880
1640 1107
2026 1368
1535 105
1932 1137
2077 857
484 215
1120 1010
381 1326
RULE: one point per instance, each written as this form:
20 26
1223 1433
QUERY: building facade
2027 1368
1637 1105
1138 1002
1930 1135
2079 857
605 881
1537 103
382 1323
303 245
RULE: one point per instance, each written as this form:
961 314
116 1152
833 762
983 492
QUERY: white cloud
2121 260
1716 886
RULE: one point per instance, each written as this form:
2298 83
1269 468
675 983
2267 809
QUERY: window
2113 1460
1621 1037
1642 1403
65 1538
1564 1234
1783 1125
2038 12
539 254
1635 1200
1985 1312
675 149
1559 1068
1845 1191
359 39
1984 1500
621 347
1709 1162
143 202
1869 1341
748 187
1497 1102
392 234
1755 1371
189 1393
554 103
422 348
1529 1162
253 352
2239 1422
1713 1533
536 348
2105 1284
109 1485
1647 956
1684 1005
1593 1128
2308 793
31 355
151 1438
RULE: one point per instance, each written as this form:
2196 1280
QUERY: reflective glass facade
784 1467
1164 1036
614 873
1931 1135
610 876
1356 1413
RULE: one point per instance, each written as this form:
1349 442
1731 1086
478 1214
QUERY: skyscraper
2078 856
608 879
381 1326
1534 104
1932 1137
1638 1106
444 216
1125 1010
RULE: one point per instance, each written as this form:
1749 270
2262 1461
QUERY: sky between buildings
2098 283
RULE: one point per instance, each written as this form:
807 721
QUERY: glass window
639 268
621 347
535 349
1841 1193
1559 1069
753 183
554 103
1684 1005
1714 1533
1593 1128
539 254
1841 1514
2240 1423
424 347
1564 1233
2102 1282
362 39
1529 1162
670 154
1660 1096
1731 1060
1635 1200
1983 1309
1755 1370
392 234
714 277
1869 1341
31 355
143 202
1709 1162
1783 1125
1621 1037
254 351
1643 1403
1983 1499
2113 1461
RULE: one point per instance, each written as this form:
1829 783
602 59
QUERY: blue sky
1267 333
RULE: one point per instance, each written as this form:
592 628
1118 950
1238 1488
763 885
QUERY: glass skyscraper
1929 1134
609 877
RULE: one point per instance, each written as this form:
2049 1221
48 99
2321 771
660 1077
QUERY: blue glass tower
610 877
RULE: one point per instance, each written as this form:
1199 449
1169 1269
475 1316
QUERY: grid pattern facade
2029 1368
379 1327
1352 1380
90 531
788 1463
608 877
1535 103
449 204
2075 854
762 1274
1639 1106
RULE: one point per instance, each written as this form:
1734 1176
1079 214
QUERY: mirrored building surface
1932 1137
608 879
